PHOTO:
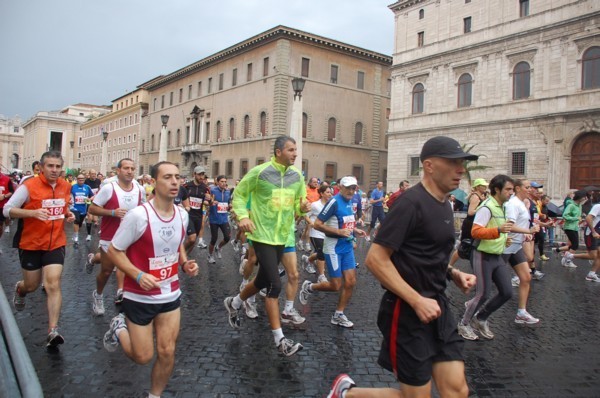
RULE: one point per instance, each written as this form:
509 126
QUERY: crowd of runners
278 224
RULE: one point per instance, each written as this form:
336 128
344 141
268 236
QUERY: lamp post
162 149
104 151
296 123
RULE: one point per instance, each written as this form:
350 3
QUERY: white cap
199 170
348 181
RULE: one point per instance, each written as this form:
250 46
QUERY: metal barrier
17 374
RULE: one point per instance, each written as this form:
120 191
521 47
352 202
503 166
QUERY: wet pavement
559 357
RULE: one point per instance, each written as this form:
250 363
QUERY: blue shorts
339 262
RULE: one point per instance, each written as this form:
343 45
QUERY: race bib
222 207
55 207
348 222
354 208
282 199
80 200
164 267
195 203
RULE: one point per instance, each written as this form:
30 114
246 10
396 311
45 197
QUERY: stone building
11 144
122 128
57 130
226 109
519 79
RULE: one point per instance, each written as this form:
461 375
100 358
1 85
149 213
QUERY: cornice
279 32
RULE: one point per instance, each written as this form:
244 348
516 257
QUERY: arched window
521 81
246 126
465 89
331 126
358 130
421 14
231 129
263 124
418 98
169 139
218 130
152 142
178 138
304 124
591 68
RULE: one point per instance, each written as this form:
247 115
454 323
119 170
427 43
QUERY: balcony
196 147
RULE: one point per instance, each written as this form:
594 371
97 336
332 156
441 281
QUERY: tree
472 165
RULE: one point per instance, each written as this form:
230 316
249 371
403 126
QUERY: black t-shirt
94 184
197 191
420 230
181 195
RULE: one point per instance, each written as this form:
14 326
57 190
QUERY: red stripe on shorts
394 335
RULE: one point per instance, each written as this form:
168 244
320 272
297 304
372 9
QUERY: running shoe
89 265
218 252
211 259
515 281
543 257
307 247
250 309
18 300
234 317
201 244
287 347
570 264
119 297
88 238
304 292
467 332
482 327
592 277
340 385
97 303
263 292
54 338
537 275
281 272
304 260
234 244
310 268
299 245
292 316
322 278
526 318
368 238
7 230
111 340
341 320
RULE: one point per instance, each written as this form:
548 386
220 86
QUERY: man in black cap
198 196
420 338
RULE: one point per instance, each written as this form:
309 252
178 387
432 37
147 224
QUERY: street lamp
162 149
104 151
296 127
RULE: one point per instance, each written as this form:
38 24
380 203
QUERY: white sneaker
234 243
218 252
211 259
483 327
310 268
250 309
537 275
467 332
88 238
307 247
304 260
570 264
304 293
201 244
292 316
322 278
592 277
299 246
7 230
341 320
515 281
98 304
526 318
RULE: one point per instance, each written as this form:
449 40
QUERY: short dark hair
120 162
37 162
154 168
579 195
402 183
280 143
498 182
322 189
51 155
220 177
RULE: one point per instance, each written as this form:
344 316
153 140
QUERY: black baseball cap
444 147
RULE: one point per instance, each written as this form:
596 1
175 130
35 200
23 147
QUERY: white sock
339 313
251 299
289 305
277 335
75 238
310 288
237 302
150 395
591 273
521 311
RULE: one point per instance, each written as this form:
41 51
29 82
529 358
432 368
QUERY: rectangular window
209 85
467 25
199 89
415 165
190 92
334 74
243 167
229 168
15 129
330 171
420 39
249 72
260 161
162 101
305 66
234 77
171 98
523 8
180 95
154 107
360 81
220 81
517 164
215 168
357 171
266 66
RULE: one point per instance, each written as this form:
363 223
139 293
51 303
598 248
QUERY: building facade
11 144
106 139
518 79
226 110
57 130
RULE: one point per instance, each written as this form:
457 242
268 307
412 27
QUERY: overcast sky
60 52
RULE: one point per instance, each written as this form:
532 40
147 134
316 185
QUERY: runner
337 222
312 195
198 194
317 237
276 192
572 217
218 218
7 189
43 204
148 248
112 202
94 183
592 239
420 341
80 194
491 228
377 213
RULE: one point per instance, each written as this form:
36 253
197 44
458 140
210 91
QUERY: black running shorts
142 313
32 260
